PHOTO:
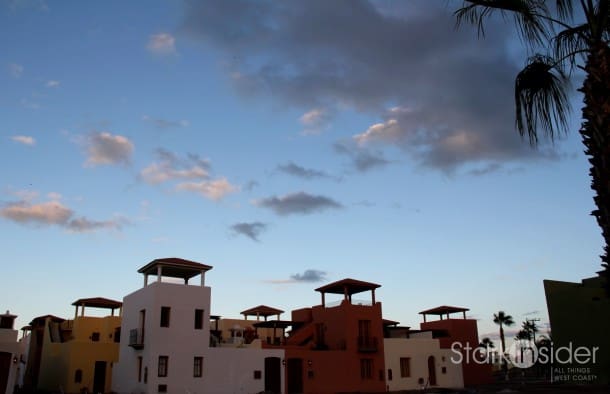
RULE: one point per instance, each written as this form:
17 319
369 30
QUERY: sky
287 144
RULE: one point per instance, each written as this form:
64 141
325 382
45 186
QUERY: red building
451 331
336 348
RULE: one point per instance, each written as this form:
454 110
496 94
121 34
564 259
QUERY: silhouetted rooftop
273 324
347 286
443 310
98 302
262 310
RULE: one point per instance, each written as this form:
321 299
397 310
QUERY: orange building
335 348
451 331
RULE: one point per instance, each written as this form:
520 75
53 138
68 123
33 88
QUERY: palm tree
560 43
530 327
487 343
502 319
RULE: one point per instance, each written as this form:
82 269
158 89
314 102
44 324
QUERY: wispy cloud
52 84
251 185
107 149
16 70
308 276
162 44
164 123
362 159
54 213
215 189
170 167
302 172
24 139
315 121
298 203
251 230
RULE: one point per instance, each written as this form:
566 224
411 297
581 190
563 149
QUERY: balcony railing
136 338
367 344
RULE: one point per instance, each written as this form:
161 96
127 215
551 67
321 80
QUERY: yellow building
77 355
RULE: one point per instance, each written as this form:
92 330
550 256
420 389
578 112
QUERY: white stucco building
416 360
165 340
12 362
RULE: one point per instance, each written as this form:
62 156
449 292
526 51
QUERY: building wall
180 341
336 366
418 350
232 370
225 326
9 344
465 332
579 317
61 360
225 370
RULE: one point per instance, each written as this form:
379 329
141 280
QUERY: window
165 316
163 361
198 319
139 368
257 375
405 367
389 374
444 370
198 367
78 376
366 368
162 388
117 334
95 337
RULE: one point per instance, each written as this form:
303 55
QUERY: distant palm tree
558 43
531 328
487 343
502 319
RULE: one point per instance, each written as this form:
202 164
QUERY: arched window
78 376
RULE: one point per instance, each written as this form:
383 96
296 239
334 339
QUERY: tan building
240 332
71 356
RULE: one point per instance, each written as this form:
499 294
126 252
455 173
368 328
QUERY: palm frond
474 15
568 43
541 100
529 16
565 9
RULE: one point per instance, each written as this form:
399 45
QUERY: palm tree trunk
595 131
502 338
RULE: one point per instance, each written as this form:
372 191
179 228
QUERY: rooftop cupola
7 321
173 267
348 287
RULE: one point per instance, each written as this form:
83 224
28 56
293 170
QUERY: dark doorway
99 377
5 367
431 371
295 375
273 381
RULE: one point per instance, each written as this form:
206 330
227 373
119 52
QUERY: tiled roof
98 302
262 310
443 310
175 267
352 286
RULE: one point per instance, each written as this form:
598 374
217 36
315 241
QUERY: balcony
136 338
367 344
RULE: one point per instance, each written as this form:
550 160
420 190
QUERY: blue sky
287 146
